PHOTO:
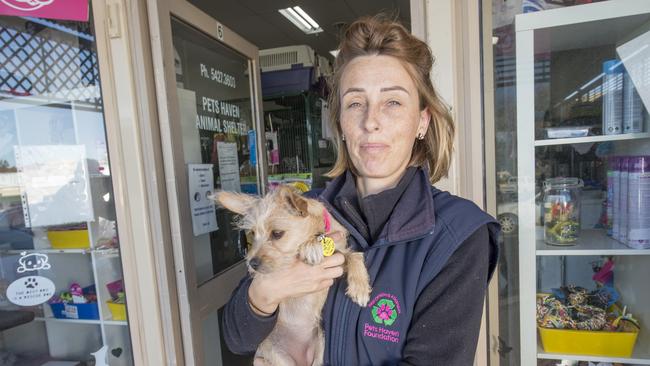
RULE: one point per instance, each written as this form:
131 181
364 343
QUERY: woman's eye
394 103
277 234
354 105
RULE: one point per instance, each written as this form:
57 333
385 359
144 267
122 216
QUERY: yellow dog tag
328 245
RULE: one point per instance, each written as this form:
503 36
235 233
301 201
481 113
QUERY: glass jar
562 210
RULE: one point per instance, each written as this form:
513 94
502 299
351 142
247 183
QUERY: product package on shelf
630 200
623 108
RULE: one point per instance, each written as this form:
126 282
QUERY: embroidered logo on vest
385 310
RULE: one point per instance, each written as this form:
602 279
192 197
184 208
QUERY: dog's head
279 223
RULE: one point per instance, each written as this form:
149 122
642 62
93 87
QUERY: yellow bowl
586 342
69 239
118 311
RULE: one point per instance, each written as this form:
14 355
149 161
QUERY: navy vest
425 229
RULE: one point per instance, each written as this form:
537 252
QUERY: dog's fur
285 226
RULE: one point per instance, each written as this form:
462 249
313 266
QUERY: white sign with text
201 185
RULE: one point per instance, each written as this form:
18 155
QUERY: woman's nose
372 121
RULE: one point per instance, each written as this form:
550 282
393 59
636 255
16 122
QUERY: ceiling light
301 19
306 16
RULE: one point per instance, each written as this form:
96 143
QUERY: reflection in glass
57 216
214 95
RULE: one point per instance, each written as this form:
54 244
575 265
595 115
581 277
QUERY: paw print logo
30 282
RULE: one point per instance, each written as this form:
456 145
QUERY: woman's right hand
268 290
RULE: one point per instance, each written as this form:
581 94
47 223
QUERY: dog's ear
233 201
296 204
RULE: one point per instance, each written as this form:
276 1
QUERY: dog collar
327 220
326 242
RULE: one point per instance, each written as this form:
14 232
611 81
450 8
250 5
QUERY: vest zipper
358 221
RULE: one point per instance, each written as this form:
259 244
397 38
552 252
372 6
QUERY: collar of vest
413 216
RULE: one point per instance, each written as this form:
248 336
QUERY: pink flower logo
384 312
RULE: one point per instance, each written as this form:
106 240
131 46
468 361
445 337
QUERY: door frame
124 58
196 301
459 35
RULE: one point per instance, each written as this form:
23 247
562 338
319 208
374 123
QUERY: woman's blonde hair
379 35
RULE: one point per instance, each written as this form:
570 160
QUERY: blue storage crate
75 311
295 80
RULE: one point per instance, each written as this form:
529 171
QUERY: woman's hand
268 290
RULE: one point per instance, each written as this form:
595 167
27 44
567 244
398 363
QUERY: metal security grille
290 121
44 58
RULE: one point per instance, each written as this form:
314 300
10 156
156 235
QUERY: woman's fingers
336 259
325 284
333 272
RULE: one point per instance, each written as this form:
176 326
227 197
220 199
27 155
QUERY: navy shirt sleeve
447 314
244 330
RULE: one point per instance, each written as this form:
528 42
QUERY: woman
429 254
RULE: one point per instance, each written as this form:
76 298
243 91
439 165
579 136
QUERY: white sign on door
201 185
30 290
228 166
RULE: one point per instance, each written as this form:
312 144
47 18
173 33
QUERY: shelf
592 139
47 251
105 252
638 357
82 321
590 25
116 322
71 321
591 242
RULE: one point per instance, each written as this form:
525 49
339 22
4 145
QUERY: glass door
62 293
209 112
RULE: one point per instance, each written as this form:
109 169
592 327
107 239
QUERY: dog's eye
277 234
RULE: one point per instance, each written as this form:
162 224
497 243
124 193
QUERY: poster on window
228 166
54 183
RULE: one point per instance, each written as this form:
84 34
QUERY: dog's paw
312 254
359 292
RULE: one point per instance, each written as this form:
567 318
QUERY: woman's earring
420 136
342 137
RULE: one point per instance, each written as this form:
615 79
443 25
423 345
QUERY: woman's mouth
374 147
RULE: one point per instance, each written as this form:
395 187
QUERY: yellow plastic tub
118 311
589 343
69 239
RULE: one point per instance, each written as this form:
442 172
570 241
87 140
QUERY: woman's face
380 116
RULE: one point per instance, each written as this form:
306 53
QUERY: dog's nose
254 263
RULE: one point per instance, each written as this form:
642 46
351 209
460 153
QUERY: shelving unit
591 242
592 139
76 339
608 23
638 358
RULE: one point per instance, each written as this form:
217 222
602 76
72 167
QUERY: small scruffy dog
284 226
